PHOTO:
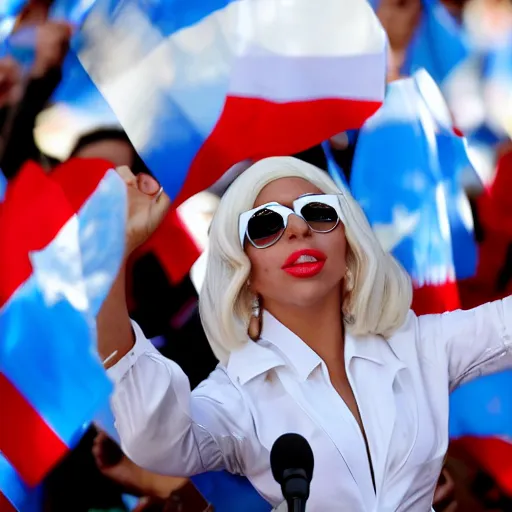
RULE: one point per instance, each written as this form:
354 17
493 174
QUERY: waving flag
439 44
64 236
481 411
14 494
200 85
9 9
405 174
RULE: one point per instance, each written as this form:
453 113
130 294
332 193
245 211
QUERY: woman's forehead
285 191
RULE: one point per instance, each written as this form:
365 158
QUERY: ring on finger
159 193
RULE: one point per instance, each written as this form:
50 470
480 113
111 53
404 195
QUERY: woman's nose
297 227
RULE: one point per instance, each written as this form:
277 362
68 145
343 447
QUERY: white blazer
280 385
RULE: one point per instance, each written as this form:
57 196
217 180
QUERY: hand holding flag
147 207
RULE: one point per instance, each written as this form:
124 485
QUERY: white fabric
280 385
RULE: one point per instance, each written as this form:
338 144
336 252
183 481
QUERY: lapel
372 368
338 425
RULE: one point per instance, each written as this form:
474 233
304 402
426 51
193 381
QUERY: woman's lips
305 263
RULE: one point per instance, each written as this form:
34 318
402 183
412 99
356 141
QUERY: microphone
291 461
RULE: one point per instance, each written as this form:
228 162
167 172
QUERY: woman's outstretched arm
164 427
470 343
147 206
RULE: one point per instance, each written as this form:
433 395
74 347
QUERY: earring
349 280
349 319
254 329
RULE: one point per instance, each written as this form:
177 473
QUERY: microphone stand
297 505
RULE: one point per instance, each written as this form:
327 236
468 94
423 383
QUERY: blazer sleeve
166 428
470 343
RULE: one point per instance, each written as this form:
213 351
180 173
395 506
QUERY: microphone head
291 451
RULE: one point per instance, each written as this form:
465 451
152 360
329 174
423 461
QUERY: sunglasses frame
331 200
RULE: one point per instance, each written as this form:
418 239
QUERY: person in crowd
18 117
399 18
311 322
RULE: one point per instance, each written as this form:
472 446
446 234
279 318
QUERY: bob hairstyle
376 303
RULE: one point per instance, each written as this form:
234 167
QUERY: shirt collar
279 346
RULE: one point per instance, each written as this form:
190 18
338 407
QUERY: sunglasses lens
320 217
265 227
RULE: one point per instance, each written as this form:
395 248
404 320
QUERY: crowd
162 295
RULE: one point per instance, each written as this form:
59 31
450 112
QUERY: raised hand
147 206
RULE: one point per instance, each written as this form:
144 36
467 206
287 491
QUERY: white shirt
280 385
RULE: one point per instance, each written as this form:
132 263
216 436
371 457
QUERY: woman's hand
147 206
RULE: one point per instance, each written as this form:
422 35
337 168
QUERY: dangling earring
349 319
349 286
349 280
254 329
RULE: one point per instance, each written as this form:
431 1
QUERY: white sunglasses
264 226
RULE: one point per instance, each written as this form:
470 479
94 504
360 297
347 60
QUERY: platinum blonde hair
378 299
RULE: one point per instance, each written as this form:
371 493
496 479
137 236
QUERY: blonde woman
311 323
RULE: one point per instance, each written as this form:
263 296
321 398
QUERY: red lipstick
305 263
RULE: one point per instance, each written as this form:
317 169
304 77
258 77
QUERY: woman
338 357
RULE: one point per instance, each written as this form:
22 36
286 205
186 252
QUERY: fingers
147 207
147 184
128 177
159 207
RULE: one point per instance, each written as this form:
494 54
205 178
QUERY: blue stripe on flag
400 177
11 7
230 493
177 118
51 316
482 407
46 352
3 185
22 498
21 46
167 16
439 44
101 236
334 170
72 11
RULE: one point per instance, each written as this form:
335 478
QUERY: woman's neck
319 325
